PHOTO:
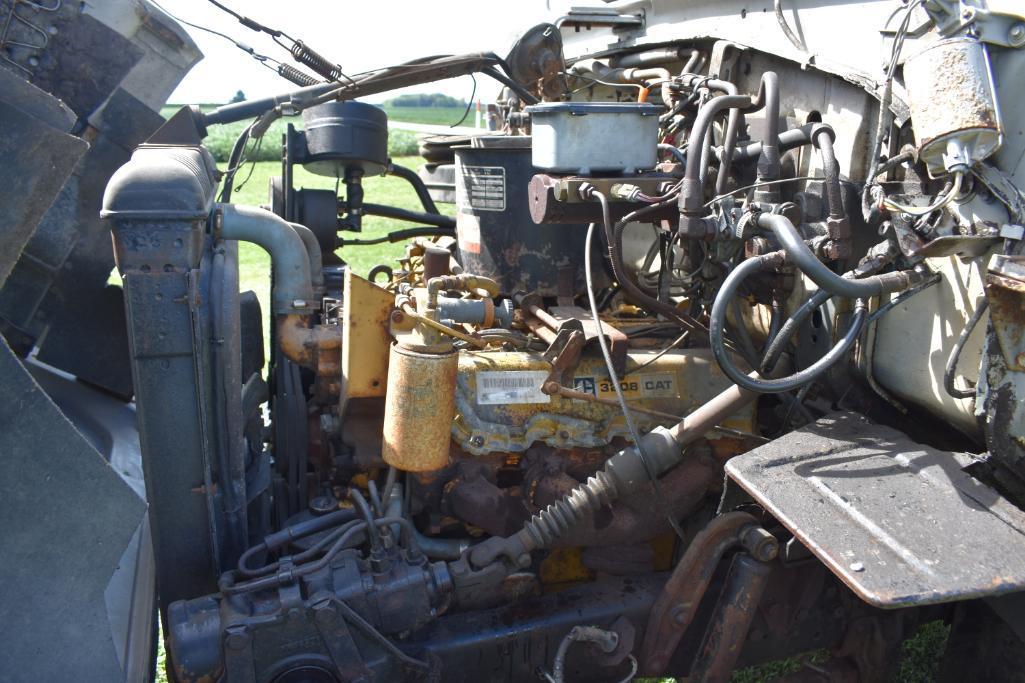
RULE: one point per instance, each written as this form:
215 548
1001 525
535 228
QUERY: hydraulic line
950 372
798 253
717 322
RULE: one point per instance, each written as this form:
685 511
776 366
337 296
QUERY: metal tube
731 621
293 290
312 245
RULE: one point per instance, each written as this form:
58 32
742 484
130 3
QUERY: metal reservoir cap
953 105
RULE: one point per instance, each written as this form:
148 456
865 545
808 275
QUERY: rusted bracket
564 354
678 602
619 343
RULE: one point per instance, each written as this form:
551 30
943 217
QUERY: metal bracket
972 17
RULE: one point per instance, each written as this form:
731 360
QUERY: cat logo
648 385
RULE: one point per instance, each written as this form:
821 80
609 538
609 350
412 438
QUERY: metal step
900 523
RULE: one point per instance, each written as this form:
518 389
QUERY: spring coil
296 76
316 61
561 516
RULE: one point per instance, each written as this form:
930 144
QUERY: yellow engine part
500 406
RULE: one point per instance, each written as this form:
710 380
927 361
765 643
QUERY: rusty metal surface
678 602
618 342
675 384
951 97
900 523
418 409
731 621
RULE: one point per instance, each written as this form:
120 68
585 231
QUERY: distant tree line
429 100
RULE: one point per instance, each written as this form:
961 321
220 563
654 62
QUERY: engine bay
544 423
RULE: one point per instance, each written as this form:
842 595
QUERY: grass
254 264
400 142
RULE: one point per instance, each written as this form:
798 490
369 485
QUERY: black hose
364 510
717 322
769 159
413 178
234 158
800 255
440 220
693 189
400 236
614 238
674 150
787 140
778 343
950 372
822 138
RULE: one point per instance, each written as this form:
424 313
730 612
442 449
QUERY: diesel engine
700 360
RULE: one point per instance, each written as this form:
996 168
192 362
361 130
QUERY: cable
363 625
613 376
884 109
719 198
675 343
289 73
955 189
949 373
469 103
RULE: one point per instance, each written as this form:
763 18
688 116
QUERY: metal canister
496 235
953 104
419 408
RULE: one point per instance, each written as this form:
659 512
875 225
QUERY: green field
400 143
254 263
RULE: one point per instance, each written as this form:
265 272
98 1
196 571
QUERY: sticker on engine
644 385
511 386
481 188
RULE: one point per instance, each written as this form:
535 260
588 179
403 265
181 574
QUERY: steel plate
898 522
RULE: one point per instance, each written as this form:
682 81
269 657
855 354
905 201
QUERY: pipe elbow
317 347
465 282
293 285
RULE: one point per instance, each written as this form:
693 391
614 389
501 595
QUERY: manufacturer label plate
511 386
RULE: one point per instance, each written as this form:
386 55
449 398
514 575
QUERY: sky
358 35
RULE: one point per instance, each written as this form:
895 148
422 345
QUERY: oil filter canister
419 408
953 105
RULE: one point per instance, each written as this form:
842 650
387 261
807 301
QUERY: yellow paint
564 565
365 338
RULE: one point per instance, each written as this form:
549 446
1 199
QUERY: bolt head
857 567
298 303
1016 35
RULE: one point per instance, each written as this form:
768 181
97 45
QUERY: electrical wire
719 198
919 211
884 107
469 103
614 376
264 60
